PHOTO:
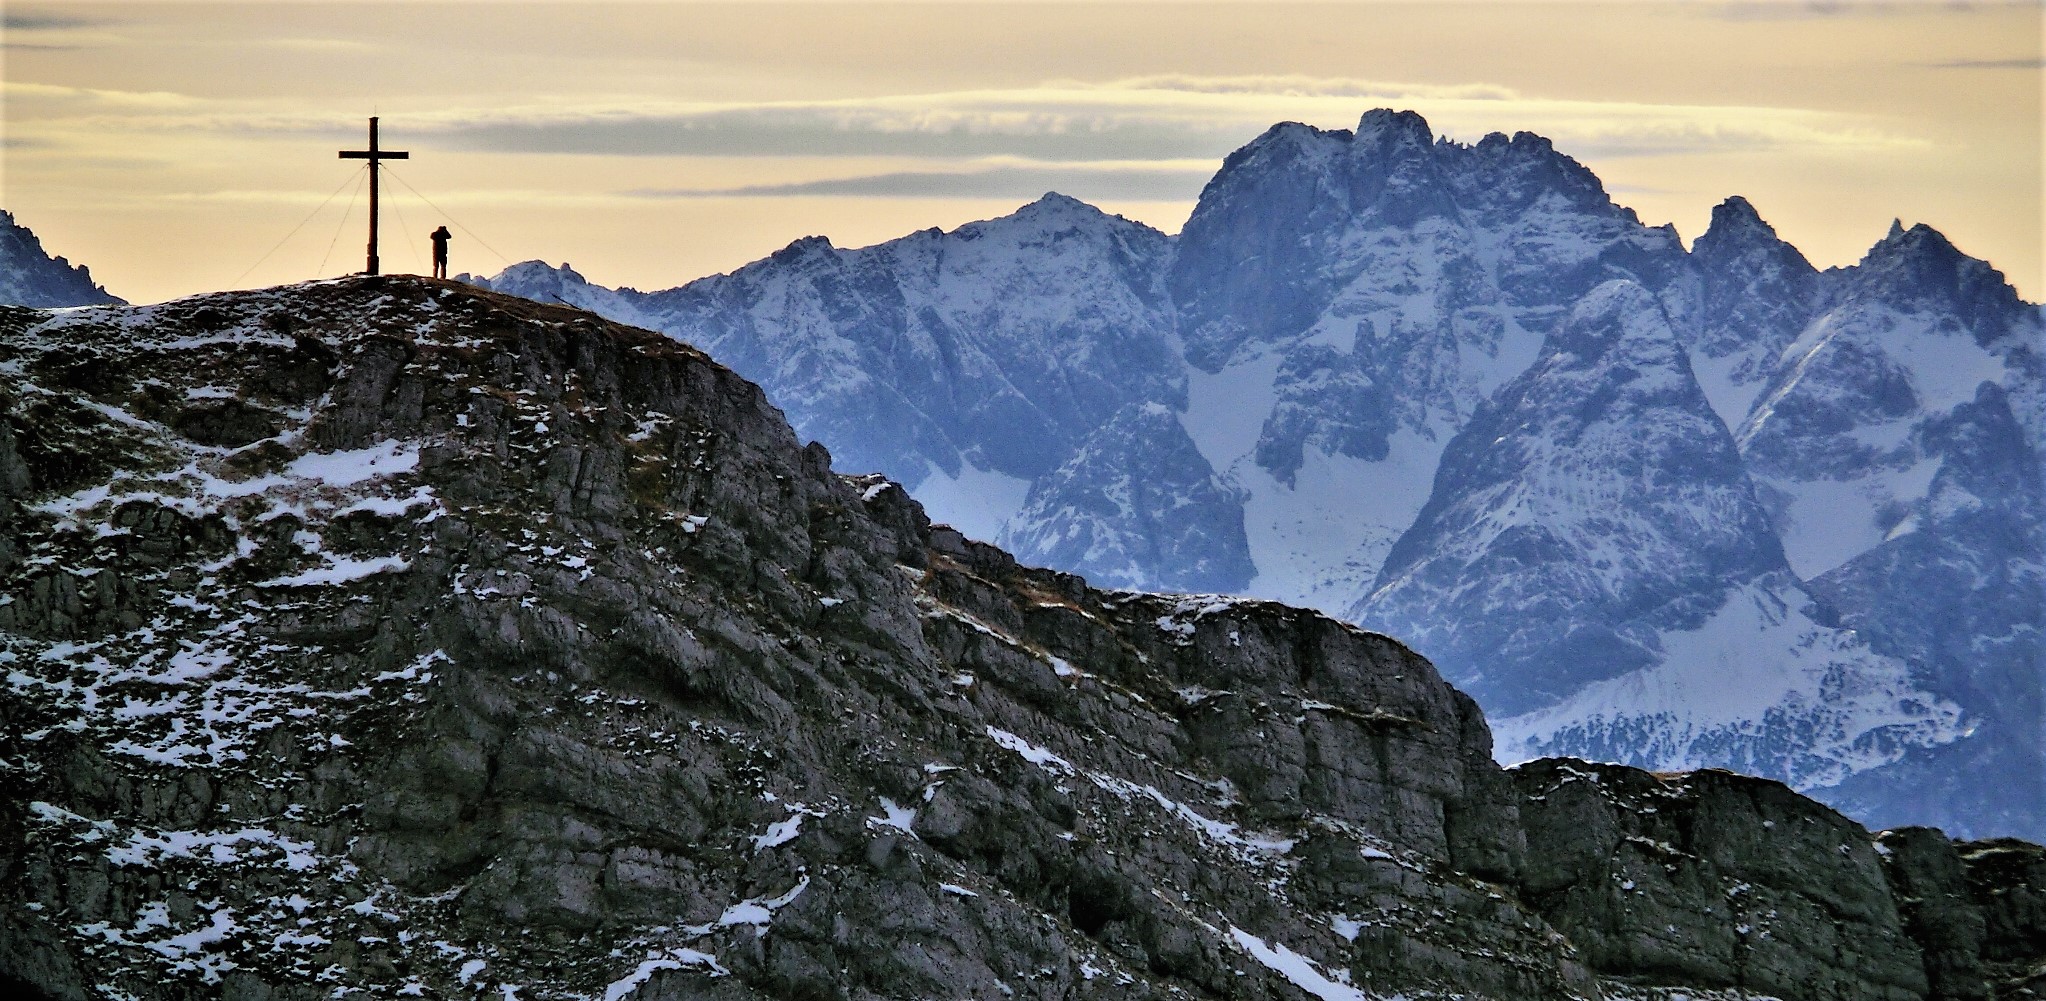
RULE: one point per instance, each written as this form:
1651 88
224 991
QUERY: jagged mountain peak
1738 231
1396 172
1280 147
1758 293
1508 174
1916 240
1837 438
1917 268
1385 128
1736 224
1523 142
1736 210
29 276
808 246
1925 256
543 282
1303 217
1288 133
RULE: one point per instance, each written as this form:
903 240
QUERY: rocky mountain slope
29 276
1338 316
389 636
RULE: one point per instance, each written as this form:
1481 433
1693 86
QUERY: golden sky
170 146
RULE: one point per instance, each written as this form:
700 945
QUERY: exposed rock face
29 276
1975 908
532 655
1714 879
2003 879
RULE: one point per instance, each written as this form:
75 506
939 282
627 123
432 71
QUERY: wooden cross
374 156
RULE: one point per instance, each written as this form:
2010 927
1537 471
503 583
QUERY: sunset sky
169 146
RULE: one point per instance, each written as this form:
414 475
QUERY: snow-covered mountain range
1672 507
29 276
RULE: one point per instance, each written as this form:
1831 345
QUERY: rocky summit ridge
388 637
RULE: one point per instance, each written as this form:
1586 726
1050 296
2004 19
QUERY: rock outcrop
386 635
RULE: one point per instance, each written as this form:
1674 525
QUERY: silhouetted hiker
441 237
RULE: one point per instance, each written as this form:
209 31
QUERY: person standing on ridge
441 237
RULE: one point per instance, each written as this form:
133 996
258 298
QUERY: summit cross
375 157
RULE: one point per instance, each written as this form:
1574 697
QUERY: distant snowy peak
1055 212
1051 219
1138 507
811 247
1059 251
1252 263
1593 498
1736 226
1595 565
1383 130
563 285
1838 437
29 276
1395 175
1498 175
1383 283
1919 270
1301 213
1742 257
535 280
1055 231
1756 295
1505 174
